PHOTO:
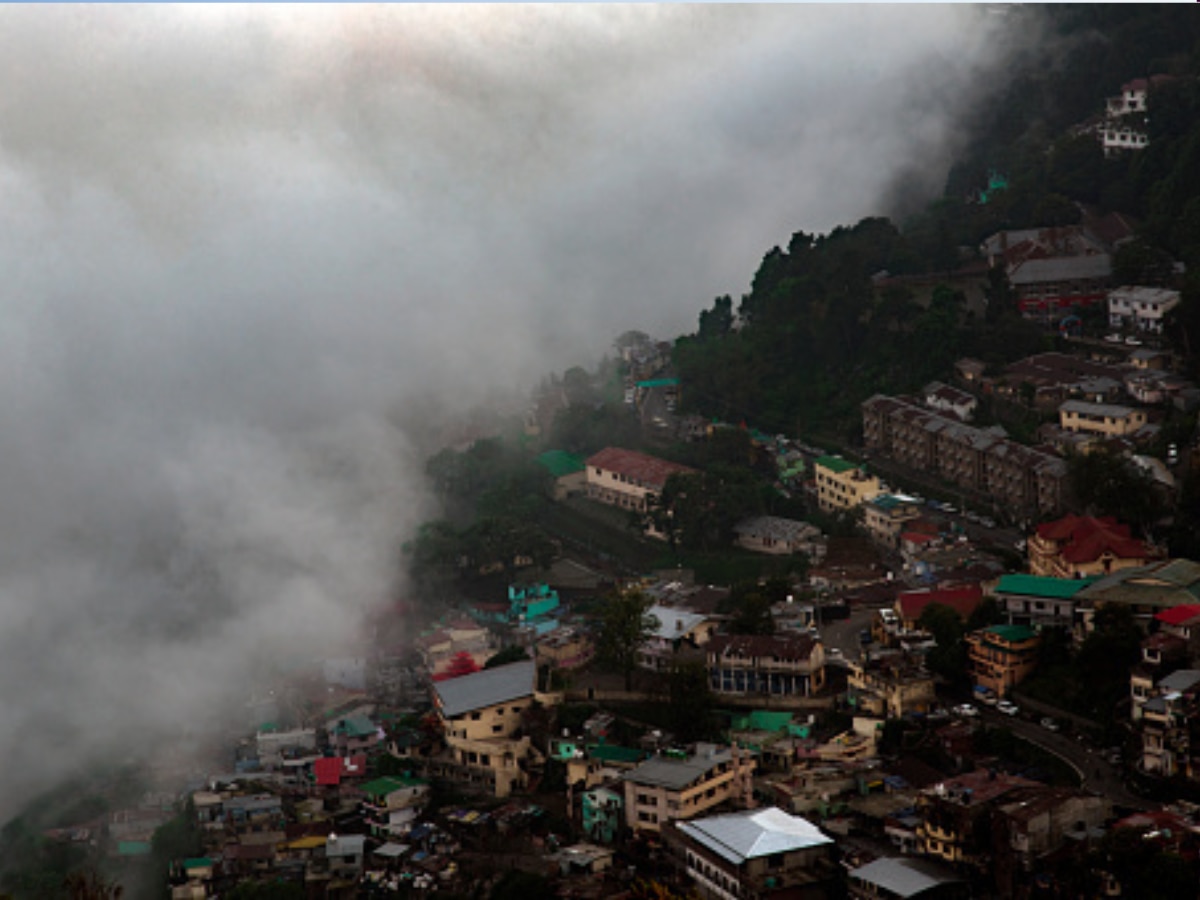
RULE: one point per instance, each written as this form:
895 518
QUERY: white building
1142 308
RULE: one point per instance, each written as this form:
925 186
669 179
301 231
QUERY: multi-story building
565 649
480 715
947 399
886 516
890 686
665 788
1106 420
755 855
1142 308
955 816
1125 114
842 484
1085 547
677 629
1030 824
778 665
1038 601
1170 726
1001 656
1147 590
1025 481
391 803
629 479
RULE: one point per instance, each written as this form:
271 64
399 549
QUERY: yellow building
886 515
1000 657
481 716
842 484
663 788
1102 419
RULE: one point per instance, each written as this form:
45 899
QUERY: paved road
1097 773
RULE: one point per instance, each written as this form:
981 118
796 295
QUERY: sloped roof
902 876
1086 538
742 836
1041 586
485 688
962 599
644 470
782 646
1177 615
673 623
675 774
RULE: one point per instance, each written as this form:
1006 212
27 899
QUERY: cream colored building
885 517
842 484
481 715
663 788
629 479
1102 419
891 687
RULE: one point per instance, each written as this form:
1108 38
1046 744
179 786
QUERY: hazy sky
237 238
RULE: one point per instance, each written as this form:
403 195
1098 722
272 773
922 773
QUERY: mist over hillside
242 241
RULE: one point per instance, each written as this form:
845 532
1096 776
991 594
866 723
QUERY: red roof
1084 539
1177 615
328 770
962 599
916 537
647 471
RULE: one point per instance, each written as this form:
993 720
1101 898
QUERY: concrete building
665 788
1140 308
779 536
778 665
1001 656
1106 420
1039 601
905 878
755 854
1086 547
841 484
629 479
890 686
480 715
885 516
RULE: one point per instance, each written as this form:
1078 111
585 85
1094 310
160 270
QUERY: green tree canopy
626 625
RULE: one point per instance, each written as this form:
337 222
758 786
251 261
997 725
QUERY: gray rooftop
673 623
1180 680
903 876
486 688
1061 268
676 774
1096 409
761 832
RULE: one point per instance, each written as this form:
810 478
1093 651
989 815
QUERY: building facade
665 788
841 484
1001 657
779 665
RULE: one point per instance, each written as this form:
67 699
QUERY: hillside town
948 650
839 756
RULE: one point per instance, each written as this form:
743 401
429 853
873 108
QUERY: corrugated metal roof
1041 586
486 688
763 832
675 774
903 877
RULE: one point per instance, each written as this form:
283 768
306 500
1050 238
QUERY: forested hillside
815 334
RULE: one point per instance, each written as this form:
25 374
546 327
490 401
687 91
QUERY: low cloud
240 239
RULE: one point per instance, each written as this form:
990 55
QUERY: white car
1133 341
1113 338
966 710
1008 708
1050 724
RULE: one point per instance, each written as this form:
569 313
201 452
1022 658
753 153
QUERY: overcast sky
235 239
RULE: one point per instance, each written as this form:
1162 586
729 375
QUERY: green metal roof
658 382
836 464
615 753
133 848
1042 586
389 783
560 463
1014 634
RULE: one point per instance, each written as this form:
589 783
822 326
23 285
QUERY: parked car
1007 707
1113 338
989 699
967 710
1049 724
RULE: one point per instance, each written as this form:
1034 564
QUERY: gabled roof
485 688
764 832
647 471
1085 539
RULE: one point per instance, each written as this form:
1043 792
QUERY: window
475 717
